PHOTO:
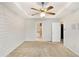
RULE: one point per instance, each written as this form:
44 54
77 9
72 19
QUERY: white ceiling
27 8
24 8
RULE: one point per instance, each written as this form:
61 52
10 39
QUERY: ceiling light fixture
43 11
42 14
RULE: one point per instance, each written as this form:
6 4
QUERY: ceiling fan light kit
42 14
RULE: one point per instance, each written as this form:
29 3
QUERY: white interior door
46 30
56 34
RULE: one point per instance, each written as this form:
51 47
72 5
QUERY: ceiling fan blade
50 13
35 9
35 14
50 7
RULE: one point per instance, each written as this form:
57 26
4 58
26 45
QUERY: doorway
39 31
62 32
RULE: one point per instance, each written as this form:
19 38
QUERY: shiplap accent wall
71 32
11 30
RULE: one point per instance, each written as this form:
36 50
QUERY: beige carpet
41 49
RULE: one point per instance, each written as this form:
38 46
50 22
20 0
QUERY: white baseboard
13 48
73 50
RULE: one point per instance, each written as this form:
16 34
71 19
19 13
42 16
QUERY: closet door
47 30
56 35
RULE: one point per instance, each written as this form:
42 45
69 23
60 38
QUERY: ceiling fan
43 10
